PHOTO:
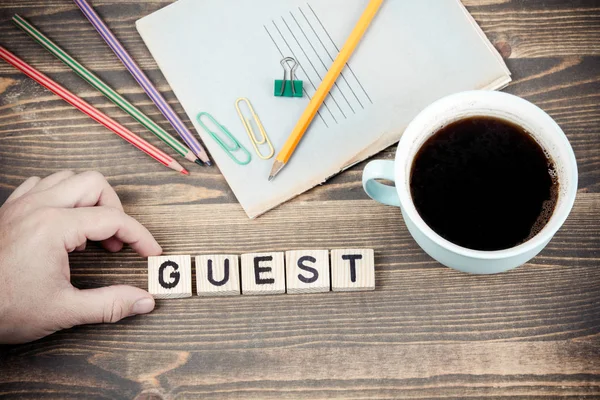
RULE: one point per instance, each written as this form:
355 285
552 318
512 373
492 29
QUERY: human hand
40 224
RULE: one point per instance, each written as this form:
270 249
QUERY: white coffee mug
446 111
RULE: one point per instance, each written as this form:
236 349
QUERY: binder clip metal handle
293 68
296 86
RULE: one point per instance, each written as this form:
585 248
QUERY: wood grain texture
426 332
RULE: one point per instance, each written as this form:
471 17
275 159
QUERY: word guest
297 271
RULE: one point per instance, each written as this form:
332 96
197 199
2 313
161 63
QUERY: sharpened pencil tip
208 163
277 166
199 162
185 172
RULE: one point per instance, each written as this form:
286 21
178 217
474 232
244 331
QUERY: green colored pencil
105 89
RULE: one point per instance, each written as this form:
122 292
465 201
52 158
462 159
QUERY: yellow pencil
323 90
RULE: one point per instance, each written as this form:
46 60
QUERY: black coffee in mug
484 183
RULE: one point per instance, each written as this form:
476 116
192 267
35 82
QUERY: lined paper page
213 52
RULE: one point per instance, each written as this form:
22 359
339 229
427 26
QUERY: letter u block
218 275
263 273
170 277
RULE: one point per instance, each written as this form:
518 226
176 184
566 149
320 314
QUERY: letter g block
170 277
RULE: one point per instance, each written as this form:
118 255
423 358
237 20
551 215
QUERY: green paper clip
295 88
228 148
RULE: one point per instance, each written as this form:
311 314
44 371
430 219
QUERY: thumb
108 304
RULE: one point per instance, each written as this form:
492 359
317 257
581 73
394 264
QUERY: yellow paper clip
248 125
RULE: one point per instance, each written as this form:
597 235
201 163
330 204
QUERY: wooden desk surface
426 332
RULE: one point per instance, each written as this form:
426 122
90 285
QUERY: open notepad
212 52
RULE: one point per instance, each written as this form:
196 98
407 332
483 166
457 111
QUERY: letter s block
352 270
170 277
307 271
263 273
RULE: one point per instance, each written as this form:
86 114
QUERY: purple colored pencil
143 80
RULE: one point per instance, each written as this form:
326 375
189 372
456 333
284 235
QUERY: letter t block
170 277
352 270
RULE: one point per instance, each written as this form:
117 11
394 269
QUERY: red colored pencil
92 112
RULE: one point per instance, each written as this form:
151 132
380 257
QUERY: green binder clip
229 148
295 87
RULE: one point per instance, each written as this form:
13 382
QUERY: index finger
83 190
23 188
100 223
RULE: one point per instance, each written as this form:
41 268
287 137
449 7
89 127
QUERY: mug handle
380 169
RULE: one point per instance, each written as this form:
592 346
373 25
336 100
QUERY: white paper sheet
415 52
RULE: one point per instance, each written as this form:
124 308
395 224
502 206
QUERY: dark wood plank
426 332
387 371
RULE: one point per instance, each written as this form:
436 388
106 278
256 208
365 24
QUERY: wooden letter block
170 277
352 270
217 275
307 271
263 273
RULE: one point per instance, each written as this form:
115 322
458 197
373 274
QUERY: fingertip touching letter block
218 275
307 271
352 270
170 277
263 273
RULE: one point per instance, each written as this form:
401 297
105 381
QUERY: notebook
213 52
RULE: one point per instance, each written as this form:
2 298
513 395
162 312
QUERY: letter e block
263 273
170 277
307 271
218 275
352 270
